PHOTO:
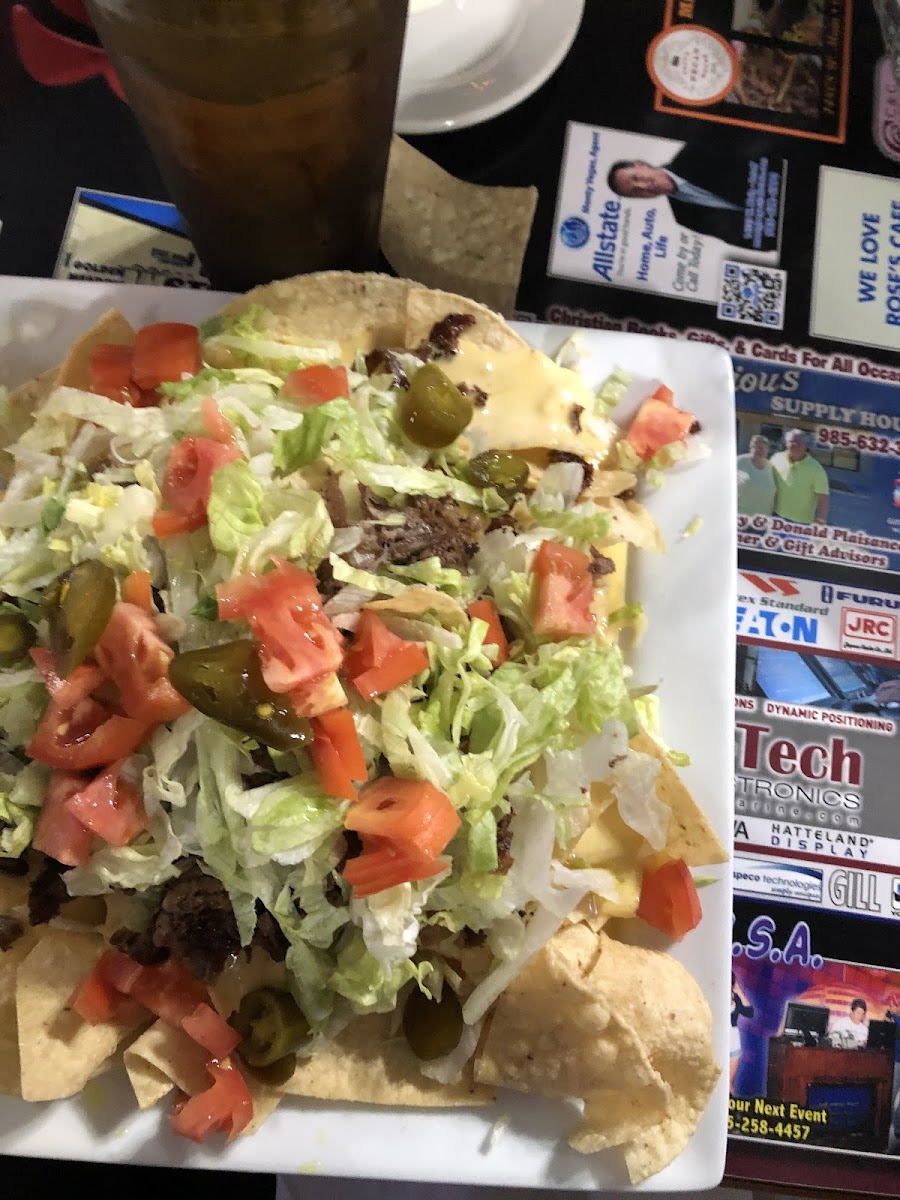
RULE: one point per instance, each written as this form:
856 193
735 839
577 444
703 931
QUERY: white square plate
688 594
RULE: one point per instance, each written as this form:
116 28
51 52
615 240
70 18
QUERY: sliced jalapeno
225 683
506 472
433 411
16 638
78 607
271 1025
432 1028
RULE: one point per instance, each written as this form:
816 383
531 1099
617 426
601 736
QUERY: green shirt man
756 479
801 484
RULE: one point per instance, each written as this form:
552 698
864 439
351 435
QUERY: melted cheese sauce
531 401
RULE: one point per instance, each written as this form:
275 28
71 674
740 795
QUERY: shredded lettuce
234 507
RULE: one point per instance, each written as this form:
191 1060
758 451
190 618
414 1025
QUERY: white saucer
466 61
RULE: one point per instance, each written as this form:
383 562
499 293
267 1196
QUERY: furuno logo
771 584
874 633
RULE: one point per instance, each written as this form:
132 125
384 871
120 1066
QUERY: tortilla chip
59 1052
553 1035
366 1065
357 311
13 903
75 369
446 233
691 836
609 483
612 1118
163 1059
425 306
243 976
664 1006
631 522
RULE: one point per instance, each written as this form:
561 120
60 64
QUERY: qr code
752 294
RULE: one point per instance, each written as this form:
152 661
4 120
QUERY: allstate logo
574 232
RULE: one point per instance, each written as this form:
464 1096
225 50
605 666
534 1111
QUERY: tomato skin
187 482
111 374
168 524
211 1031
410 813
565 593
59 833
77 686
669 900
110 807
163 353
658 423
486 610
298 645
167 989
316 385
384 865
665 394
225 1107
132 654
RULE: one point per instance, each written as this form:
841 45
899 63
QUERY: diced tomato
97 1001
316 385
136 590
298 644
379 660
665 394
384 865
84 736
336 754
58 832
132 654
486 610
111 374
669 900
409 813
217 424
399 667
167 989
187 481
226 1107
110 807
658 423
211 1031
168 524
163 353
75 687
372 643
340 729
565 592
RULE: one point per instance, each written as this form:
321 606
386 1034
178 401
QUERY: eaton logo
776 626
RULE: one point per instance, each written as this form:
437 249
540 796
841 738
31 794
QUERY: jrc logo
874 633
777 626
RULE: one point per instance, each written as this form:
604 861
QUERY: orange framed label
692 65
780 68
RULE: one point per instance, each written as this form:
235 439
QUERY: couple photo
790 484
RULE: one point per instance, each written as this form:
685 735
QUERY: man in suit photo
706 193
